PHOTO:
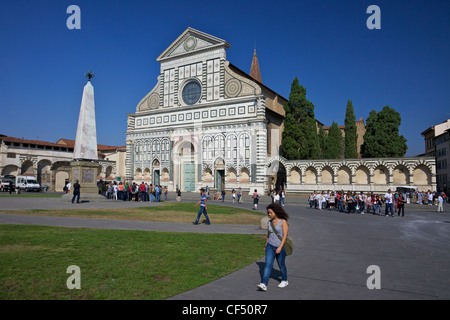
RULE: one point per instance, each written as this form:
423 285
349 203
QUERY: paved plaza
333 250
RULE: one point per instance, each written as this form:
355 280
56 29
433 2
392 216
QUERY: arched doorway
184 165
219 167
156 172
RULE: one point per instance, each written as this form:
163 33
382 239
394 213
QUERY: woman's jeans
270 257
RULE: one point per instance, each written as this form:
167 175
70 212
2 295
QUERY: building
437 145
50 162
206 122
360 131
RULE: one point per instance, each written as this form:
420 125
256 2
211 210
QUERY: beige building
50 162
437 145
360 131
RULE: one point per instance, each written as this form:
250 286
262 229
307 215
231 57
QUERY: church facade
205 122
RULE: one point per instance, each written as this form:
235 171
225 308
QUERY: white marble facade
203 124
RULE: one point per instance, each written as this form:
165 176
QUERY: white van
28 183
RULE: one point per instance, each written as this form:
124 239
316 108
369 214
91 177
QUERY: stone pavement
333 251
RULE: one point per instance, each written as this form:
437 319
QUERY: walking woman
255 199
274 246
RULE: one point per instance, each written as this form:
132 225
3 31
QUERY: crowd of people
353 202
349 202
132 191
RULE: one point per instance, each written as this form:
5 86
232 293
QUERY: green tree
382 138
333 143
322 141
351 137
300 139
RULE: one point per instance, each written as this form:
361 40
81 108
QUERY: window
191 92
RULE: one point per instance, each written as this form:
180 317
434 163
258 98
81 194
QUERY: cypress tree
300 139
333 143
322 141
350 140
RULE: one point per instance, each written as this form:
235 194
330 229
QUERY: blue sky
326 44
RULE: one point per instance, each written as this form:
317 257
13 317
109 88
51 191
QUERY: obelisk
85 166
86 139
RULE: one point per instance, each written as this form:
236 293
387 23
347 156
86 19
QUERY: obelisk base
86 173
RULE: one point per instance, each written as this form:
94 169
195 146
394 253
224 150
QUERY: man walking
203 207
76 192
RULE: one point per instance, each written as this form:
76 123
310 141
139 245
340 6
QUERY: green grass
184 212
116 264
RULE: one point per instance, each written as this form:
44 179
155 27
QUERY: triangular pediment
191 41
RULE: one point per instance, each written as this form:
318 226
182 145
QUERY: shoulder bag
288 245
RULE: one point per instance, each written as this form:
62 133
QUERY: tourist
255 199
338 201
223 195
361 202
282 197
331 201
440 203
120 189
141 192
401 205
203 207
114 191
76 191
321 200
350 202
157 193
233 195
151 192
165 193
379 205
276 197
310 199
109 191
178 195
239 195
388 200
274 247
430 198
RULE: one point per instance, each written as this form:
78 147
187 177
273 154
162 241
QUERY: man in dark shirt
76 192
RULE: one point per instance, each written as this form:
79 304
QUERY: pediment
192 41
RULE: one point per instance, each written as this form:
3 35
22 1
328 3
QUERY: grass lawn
168 212
116 264
30 195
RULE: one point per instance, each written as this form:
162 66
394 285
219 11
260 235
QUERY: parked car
4 184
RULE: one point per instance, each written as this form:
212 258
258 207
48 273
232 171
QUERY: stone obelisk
85 166
86 139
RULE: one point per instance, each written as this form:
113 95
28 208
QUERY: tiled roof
60 143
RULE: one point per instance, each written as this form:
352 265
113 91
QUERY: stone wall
369 174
